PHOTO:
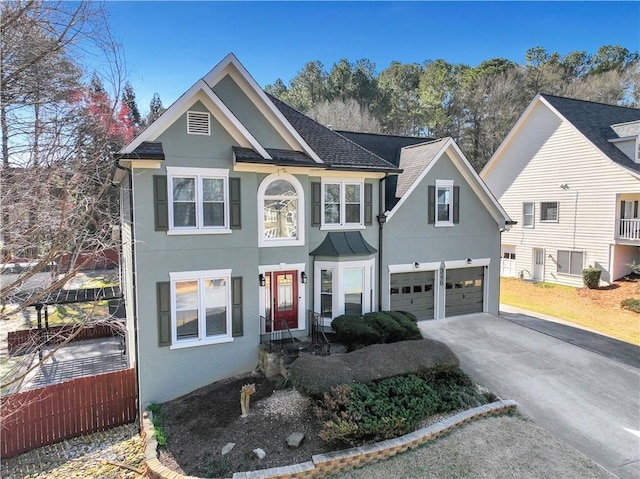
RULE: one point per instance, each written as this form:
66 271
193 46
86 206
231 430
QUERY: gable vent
198 123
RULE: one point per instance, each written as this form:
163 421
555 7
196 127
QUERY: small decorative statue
246 392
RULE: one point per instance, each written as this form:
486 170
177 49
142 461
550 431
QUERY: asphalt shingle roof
387 147
334 150
280 157
146 150
414 160
594 120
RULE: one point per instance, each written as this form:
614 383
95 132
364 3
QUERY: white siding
544 154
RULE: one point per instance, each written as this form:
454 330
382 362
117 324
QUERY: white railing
629 229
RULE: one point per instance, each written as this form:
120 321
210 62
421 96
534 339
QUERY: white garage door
464 291
413 292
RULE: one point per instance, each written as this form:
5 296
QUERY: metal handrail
319 340
273 336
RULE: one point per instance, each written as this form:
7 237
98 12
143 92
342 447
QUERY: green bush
358 413
352 331
159 415
216 468
591 277
408 322
386 326
631 304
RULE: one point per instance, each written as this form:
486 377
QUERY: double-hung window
198 200
201 309
444 202
549 211
342 203
528 215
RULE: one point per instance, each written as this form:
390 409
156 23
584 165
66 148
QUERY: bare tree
345 115
58 136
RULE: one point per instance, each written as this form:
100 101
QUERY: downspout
382 219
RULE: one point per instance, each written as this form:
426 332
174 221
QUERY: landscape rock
315 375
295 439
228 447
260 454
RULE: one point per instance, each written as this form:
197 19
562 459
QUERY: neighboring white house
569 173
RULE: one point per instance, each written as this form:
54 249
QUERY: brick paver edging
322 465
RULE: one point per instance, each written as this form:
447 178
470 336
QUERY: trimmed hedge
356 331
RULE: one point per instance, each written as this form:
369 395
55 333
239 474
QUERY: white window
528 215
198 123
343 288
342 204
281 207
549 211
570 262
199 200
444 202
200 307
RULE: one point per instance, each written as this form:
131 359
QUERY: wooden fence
54 413
25 340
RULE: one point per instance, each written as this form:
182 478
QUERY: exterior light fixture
261 279
416 265
303 277
468 260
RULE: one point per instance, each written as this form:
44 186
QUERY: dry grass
597 309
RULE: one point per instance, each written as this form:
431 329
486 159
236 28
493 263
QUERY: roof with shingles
385 146
279 157
334 150
414 160
594 121
145 150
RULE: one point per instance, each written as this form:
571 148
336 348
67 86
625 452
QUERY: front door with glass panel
281 288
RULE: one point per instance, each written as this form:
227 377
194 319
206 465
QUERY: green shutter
160 203
234 203
368 204
316 203
431 205
236 306
164 313
456 204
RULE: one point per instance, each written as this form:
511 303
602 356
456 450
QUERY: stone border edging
322 465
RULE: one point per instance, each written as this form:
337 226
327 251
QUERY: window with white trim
198 123
343 287
199 200
444 202
281 207
549 211
201 309
528 215
570 262
342 203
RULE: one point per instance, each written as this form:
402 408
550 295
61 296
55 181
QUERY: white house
569 173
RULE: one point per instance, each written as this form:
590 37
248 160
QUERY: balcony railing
629 229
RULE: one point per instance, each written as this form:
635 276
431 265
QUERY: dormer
628 140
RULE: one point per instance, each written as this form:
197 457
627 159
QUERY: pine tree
129 99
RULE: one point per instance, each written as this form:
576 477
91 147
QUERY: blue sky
170 45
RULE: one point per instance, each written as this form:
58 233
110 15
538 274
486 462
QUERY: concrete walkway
590 401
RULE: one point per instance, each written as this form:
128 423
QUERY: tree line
476 106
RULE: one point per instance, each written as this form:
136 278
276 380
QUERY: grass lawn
594 309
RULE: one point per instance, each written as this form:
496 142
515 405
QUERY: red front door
284 291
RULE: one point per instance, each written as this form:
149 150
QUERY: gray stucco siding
248 114
182 149
408 237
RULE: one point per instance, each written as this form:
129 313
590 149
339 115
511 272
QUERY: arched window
281 210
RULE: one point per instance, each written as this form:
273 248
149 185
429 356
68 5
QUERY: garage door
464 291
508 261
413 292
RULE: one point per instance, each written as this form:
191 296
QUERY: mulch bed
201 423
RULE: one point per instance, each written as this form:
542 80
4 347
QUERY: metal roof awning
344 243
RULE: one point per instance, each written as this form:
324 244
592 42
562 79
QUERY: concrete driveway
589 401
